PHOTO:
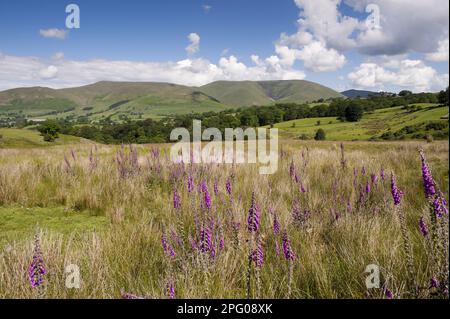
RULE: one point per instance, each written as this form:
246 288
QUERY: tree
404 93
443 97
320 135
353 112
49 130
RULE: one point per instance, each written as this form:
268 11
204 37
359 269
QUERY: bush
320 135
49 130
353 112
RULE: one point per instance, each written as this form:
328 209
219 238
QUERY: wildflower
37 270
168 249
171 289
228 186
434 283
287 249
176 199
302 188
374 179
440 205
216 188
292 169
397 194
205 239
190 184
257 256
276 225
206 196
382 174
253 216
423 227
363 171
428 181
367 189
388 293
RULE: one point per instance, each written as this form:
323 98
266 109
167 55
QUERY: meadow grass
110 210
371 125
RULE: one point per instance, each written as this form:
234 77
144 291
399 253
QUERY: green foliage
353 112
49 130
320 135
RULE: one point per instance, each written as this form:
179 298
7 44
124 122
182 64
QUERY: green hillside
373 125
23 138
140 100
247 93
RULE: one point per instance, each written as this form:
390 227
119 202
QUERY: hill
394 123
23 138
359 93
140 100
247 93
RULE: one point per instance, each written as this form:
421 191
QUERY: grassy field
129 220
22 138
372 124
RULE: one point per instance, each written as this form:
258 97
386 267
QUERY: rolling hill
153 100
395 121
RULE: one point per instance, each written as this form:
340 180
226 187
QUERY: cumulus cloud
49 72
54 33
441 54
408 74
404 26
194 45
30 71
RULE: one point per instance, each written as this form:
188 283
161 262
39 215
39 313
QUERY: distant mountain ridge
359 93
152 99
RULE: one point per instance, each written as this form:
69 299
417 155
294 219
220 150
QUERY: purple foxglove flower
206 196
363 171
253 216
367 188
222 243
216 188
37 270
205 239
257 256
292 170
287 249
388 293
302 188
171 289
440 205
374 179
423 227
397 194
382 174
296 178
276 225
434 283
190 184
428 181
228 187
176 199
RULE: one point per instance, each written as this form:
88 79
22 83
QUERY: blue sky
148 39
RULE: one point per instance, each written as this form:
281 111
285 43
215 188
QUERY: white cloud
30 71
405 26
49 72
318 58
408 74
441 54
194 45
54 33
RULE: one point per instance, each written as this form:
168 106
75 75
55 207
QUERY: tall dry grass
338 236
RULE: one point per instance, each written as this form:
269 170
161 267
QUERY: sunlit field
139 226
